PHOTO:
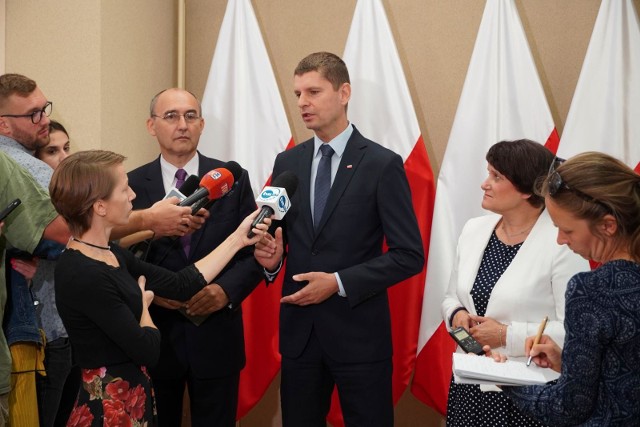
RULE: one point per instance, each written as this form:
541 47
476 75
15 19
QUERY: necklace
519 233
104 248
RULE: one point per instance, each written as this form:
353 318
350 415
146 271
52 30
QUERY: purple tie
323 184
181 176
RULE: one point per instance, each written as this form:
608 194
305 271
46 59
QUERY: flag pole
181 45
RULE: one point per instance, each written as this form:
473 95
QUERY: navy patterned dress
467 405
600 381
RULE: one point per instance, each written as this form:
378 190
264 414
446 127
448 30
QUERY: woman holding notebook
508 274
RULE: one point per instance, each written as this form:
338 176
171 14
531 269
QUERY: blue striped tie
323 184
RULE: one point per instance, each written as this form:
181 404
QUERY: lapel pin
349 166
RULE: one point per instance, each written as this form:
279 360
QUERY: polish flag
605 110
502 99
246 122
382 109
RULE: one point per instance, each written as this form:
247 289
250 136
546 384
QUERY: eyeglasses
555 183
173 117
36 116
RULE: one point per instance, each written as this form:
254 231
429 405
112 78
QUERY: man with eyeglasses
206 351
33 219
24 127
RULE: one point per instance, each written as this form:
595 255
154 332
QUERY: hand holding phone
466 341
10 207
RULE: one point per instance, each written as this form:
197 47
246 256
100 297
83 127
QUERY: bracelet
500 336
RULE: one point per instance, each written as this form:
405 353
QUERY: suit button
314 253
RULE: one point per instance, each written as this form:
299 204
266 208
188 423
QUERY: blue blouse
600 380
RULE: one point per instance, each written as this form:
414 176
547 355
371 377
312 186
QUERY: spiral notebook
472 369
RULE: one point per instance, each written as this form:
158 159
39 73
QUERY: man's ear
5 129
151 126
345 93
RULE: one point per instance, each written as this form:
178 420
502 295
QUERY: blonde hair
593 185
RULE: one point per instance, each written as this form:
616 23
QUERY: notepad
472 369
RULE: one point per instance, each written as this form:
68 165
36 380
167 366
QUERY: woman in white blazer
509 274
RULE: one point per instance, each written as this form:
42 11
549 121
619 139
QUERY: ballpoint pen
538 335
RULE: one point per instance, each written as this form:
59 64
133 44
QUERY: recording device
10 207
215 184
466 341
275 199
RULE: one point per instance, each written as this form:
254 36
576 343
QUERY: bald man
202 339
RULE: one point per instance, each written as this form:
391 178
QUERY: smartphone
466 341
10 207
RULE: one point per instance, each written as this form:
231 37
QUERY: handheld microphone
276 199
186 189
190 185
213 185
219 190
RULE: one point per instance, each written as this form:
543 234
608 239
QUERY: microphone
214 184
206 202
275 199
190 185
186 189
140 241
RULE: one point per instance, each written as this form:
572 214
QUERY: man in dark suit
335 325
207 356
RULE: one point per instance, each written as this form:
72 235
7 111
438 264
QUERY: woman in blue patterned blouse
594 200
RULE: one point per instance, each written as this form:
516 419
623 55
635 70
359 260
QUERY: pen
538 335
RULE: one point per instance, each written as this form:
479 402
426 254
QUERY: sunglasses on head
555 183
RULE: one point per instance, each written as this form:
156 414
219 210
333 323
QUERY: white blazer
533 286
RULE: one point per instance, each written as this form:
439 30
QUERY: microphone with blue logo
275 199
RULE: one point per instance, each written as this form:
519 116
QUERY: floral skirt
117 395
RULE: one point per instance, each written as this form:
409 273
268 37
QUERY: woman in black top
101 295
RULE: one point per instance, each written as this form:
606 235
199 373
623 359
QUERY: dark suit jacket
216 347
369 200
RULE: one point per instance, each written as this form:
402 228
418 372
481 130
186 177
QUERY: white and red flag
382 109
245 121
502 99
605 110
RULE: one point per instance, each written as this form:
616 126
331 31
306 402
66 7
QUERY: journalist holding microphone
594 201
101 294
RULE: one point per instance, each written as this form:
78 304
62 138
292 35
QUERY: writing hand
546 353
